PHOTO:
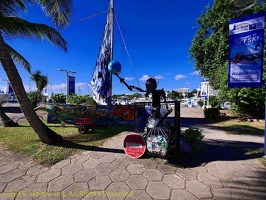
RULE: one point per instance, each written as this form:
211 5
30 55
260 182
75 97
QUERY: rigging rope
124 43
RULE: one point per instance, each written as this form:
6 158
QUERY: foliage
34 98
193 137
40 80
86 100
209 52
211 113
23 140
175 95
58 98
200 103
214 102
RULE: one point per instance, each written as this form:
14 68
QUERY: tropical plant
209 52
12 26
40 80
58 98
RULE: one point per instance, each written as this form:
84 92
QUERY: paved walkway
224 171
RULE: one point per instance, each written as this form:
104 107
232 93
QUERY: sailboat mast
111 13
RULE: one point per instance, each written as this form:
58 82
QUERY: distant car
226 105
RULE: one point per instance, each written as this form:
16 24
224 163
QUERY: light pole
67 80
7 85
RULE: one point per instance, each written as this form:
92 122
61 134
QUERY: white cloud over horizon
179 76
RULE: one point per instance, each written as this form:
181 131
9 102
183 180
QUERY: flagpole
112 46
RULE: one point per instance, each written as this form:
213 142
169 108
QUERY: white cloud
146 77
129 78
194 73
179 76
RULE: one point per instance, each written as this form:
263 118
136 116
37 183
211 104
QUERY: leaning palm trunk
7 122
45 134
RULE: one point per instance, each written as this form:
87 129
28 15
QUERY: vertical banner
204 92
246 42
10 89
71 83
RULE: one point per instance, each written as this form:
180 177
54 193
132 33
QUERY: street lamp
7 85
67 80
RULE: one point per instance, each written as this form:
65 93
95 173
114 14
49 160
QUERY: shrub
193 137
34 98
200 103
59 98
211 113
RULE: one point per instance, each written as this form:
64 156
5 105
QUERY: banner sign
71 83
204 92
10 89
246 42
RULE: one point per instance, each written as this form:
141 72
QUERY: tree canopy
209 52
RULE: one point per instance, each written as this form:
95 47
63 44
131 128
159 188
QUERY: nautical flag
71 83
246 44
101 81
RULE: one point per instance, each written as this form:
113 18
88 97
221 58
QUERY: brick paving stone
104 168
198 189
166 169
95 195
16 185
210 180
186 174
153 174
120 155
84 175
36 170
219 173
71 169
158 190
7 167
135 168
79 159
60 183
137 182
33 190
95 155
99 183
75 191
61 164
173 181
182 195
91 164
117 191
150 164
12 175
2 187
49 175
222 193
119 174
107 158
138 195
120 163
134 160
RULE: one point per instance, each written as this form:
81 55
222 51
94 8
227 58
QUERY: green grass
25 141
236 127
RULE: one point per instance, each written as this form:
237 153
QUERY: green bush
59 98
211 113
192 135
200 103
77 100
34 98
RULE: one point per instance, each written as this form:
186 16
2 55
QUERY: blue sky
157 34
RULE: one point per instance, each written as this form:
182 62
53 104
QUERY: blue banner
246 42
71 84
10 89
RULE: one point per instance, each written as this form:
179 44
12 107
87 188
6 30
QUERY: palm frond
19 58
11 7
17 27
58 10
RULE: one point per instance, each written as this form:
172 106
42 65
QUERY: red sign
134 145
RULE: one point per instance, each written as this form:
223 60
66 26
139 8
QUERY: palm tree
13 26
40 80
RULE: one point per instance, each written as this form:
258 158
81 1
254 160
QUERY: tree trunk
45 134
5 119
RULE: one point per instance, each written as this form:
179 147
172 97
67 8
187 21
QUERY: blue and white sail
101 81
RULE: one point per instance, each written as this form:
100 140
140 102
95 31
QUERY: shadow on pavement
10 109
